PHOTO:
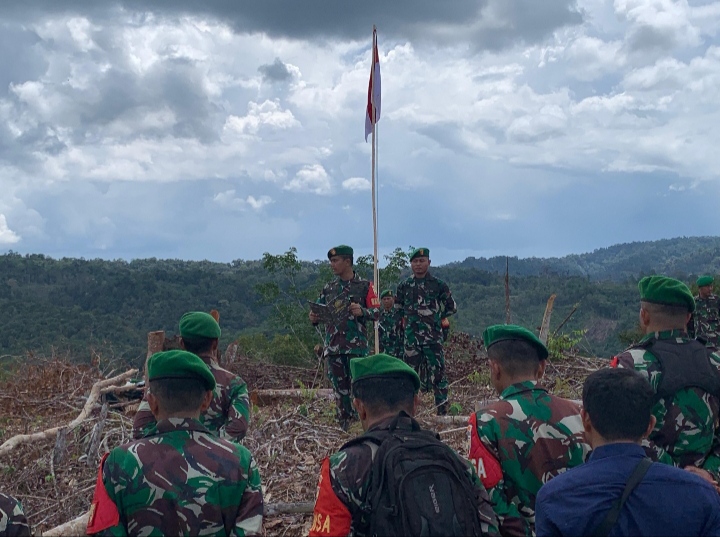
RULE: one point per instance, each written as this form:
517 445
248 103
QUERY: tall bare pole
507 290
376 273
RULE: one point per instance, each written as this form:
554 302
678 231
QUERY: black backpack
418 486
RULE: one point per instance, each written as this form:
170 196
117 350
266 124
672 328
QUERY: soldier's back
12 518
183 480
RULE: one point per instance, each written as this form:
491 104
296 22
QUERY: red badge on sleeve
103 511
331 517
614 362
487 466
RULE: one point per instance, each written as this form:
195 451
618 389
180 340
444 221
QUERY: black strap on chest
603 530
684 365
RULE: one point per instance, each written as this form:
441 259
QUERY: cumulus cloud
356 184
229 200
268 113
7 235
313 179
276 71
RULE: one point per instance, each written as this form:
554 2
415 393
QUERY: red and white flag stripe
373 91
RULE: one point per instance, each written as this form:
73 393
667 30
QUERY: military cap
386 292
381 366
178 364
343 249
511 332
199 324
702 281
419 252
667 291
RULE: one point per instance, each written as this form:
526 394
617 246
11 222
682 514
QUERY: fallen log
77 526
92 399
269 397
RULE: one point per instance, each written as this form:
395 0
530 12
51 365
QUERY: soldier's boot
442 409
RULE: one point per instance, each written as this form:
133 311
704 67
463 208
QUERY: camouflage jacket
183 480
391 333
229 411
344 481
519 443
423 303
12 519
348 334
687 431
705 321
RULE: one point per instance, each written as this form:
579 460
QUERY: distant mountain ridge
679 257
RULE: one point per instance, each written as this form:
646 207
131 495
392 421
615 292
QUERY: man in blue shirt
667 501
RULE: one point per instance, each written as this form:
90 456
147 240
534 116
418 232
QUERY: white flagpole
376 274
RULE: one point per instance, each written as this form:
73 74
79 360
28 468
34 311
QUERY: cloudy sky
221 130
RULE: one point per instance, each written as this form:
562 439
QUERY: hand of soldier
314 319
707 476
356 310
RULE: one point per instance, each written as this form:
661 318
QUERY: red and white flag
373 91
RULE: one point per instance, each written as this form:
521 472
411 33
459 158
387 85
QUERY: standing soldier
353 303
181 479
528 436
705 321
685 376
424 303
390 326
229 412
12 519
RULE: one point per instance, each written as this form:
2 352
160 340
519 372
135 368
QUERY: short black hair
517 357
178 395
352 260
385 394
667 313
619 403
198 345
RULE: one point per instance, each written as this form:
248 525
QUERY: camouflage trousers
338 372
429 362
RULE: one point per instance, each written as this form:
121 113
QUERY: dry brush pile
54 475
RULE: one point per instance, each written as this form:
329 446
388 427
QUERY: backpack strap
603 530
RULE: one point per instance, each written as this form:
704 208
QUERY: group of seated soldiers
640 456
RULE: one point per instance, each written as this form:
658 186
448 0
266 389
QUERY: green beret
178 364
511 332
702 281
667 291
199 324
386 292
381 365
419 252
343 249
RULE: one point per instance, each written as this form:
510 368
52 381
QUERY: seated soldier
181 479
528 436
658 499
229 412
12 519
360 490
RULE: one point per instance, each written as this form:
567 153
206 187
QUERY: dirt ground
289 439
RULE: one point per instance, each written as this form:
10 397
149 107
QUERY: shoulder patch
486 465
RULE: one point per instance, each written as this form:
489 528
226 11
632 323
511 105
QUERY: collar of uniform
207 357
404 423
666 334
425 278
620 449
180 424
345 282
520 387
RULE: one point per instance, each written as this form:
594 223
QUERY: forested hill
673 257
77 306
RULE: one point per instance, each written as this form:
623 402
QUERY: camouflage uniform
347 337
12 519
705 321
686 432
343 485
519 443
391 333
424 303
229 411
182 480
